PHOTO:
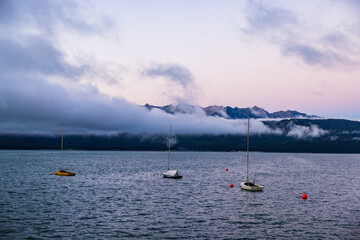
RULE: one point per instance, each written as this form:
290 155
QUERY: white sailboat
249 185
171 173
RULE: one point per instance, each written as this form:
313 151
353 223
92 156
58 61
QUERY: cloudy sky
89 64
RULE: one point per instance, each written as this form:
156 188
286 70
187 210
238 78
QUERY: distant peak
229 112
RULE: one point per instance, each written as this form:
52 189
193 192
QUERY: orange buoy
304 196
231 185
226 169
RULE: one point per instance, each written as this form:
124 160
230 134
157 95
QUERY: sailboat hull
64 173
176 177
249 186
172 174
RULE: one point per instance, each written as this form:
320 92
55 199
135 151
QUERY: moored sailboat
249 185
63 172
171 173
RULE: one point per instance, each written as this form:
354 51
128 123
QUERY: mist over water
122 195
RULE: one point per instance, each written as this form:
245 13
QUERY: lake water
122 195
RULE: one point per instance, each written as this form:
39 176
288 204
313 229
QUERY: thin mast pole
62 144
247 155
169 150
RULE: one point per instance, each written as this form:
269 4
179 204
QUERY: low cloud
35 105
334 138
311 131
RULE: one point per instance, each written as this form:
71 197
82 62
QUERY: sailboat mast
247 150
169 149
62 144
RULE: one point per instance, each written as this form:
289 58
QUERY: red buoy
304 196
226 169
231 185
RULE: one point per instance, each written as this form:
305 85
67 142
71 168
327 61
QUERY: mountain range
229 112
283 131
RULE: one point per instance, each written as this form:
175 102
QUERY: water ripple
122 195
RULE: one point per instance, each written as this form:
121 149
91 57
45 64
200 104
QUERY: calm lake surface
122 195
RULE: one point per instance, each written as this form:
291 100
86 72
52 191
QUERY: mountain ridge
229 112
